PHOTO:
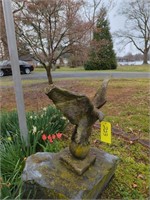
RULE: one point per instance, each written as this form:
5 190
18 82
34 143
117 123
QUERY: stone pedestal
58 175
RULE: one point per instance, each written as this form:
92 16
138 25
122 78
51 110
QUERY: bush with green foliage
13 150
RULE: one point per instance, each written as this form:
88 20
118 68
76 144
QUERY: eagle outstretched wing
73 106
100 96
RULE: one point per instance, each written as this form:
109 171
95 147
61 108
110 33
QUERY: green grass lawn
134 68
126 68
7 81
128 110
131 176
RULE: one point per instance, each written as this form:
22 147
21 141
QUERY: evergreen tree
102 55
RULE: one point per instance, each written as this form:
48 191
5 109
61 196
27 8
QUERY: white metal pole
13 54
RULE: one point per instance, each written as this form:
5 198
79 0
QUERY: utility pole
13 54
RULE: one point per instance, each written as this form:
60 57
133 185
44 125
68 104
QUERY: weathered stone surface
46 177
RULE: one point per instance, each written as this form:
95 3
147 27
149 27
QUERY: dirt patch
35 98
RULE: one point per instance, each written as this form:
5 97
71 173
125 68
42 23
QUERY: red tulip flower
53 136
50 139
59 135
44 137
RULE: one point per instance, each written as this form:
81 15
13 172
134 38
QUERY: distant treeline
131 57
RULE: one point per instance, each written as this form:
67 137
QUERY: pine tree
102 55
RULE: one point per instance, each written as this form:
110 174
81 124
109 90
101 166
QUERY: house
30 59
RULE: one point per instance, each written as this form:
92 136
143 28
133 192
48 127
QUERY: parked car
5 68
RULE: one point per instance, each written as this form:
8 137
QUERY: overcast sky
117 22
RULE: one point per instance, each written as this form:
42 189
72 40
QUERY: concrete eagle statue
80 111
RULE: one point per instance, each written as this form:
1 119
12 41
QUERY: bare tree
22 47
51 29
137 26
3 38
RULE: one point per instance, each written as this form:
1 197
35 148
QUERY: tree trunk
145 57
49 75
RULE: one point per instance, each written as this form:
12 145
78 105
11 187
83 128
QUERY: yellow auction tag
105 132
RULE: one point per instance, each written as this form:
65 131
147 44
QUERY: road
86 74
